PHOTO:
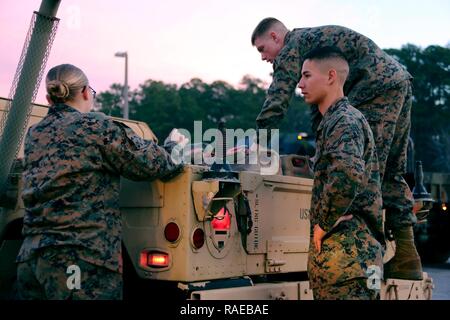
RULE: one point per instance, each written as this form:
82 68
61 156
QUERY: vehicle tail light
222 220
154 259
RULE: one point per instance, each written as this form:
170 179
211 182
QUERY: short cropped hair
331 53
263 26
323 53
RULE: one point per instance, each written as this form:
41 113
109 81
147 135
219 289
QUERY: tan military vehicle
206 234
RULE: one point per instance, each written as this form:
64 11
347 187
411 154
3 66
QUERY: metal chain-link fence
24 89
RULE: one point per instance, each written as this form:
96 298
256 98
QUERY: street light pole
125 89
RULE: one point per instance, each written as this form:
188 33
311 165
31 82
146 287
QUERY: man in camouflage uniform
379 87
72 167
346 215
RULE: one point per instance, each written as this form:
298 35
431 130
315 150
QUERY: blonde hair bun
64 81
58 89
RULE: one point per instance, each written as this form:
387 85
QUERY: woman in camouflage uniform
73 162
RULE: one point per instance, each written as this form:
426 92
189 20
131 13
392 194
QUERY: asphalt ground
441 279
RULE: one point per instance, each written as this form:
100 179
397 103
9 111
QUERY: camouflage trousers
389 116
347 253
353 289
51 276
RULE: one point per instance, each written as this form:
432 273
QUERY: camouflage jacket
347 181
72 167
372 70
346 176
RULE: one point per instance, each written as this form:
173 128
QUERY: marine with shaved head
346 216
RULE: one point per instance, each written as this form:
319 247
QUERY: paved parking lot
441 278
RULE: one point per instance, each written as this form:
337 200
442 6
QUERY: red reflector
171 232
198 238
298 162
222 220
158 260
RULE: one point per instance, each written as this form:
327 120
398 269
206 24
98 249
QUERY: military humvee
206 234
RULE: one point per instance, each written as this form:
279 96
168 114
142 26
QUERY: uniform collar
338 104
61 107
287 37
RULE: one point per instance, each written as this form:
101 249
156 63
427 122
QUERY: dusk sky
174 41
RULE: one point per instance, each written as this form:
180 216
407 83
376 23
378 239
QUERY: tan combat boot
406 263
